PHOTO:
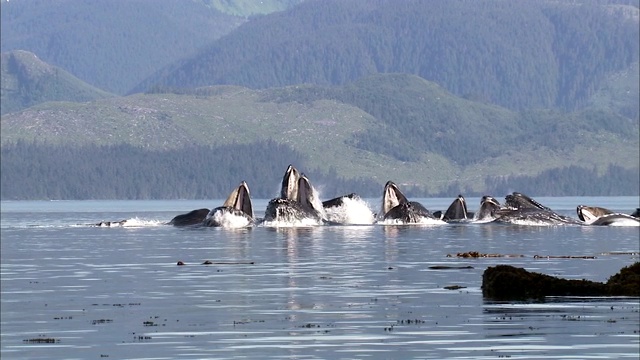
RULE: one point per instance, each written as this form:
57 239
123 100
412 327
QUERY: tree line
31 171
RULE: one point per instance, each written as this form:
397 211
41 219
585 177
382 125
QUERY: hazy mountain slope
335 127
620 93
112 45
518 54
250 7
26 81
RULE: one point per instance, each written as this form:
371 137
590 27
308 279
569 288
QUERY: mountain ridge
27 81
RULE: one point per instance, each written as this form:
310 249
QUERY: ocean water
70 290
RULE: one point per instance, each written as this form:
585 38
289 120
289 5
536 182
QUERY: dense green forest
32 171
201 172
517 54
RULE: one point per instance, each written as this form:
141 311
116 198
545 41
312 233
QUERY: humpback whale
297 202
594 215
521 209
456 212
396 206
236 211
488 208
348 209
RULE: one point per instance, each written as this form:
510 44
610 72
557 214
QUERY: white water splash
229 220
626 222
351 212
133 222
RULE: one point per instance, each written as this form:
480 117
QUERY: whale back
518 200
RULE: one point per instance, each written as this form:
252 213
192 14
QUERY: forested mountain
112 45
383 127
471 96
26 81
517 54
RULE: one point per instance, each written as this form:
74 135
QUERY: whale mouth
290 183
591 213
392 197
240 200
457 210
298 200
489 200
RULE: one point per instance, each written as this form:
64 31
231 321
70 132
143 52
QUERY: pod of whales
298 204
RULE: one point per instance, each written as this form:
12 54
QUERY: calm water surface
331 292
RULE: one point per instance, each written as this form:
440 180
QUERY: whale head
392 197
240 199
